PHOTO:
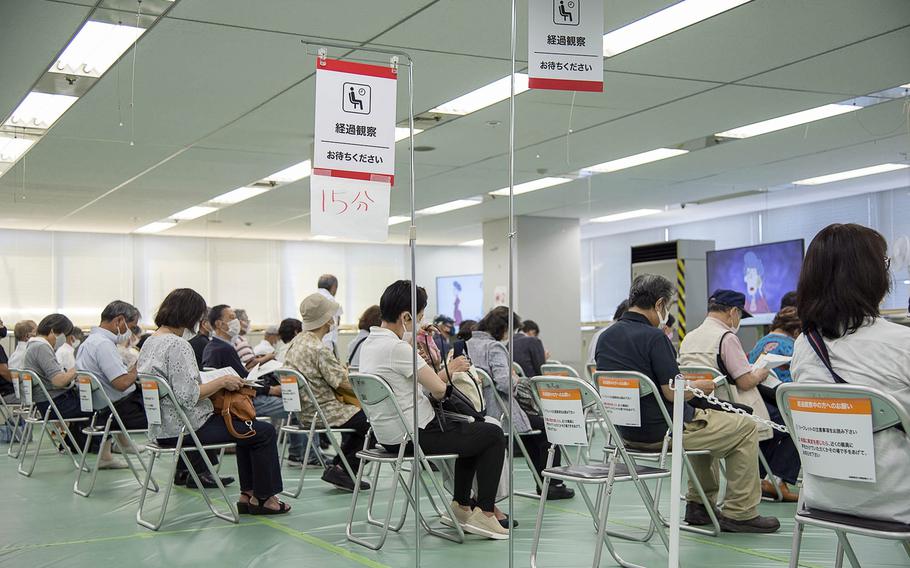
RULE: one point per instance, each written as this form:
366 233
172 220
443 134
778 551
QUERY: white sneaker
112 464
461 516
480 524
133 449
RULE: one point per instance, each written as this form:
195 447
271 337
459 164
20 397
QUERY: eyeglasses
887 263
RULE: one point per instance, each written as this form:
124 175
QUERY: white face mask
123 336
189 333
234 327
76 343
664 318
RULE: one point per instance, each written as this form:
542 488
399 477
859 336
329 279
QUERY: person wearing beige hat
311 357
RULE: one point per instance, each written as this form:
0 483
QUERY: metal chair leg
77 489
168 485
796 545
844 546
388 519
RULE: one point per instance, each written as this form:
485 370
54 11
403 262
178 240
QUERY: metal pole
511 282
412 239
679 396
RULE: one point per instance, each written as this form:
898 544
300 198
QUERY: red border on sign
365 176
384 72
565 85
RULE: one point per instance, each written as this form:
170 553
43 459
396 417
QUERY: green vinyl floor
42 523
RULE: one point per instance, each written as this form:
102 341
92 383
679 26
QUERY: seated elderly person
7 390
328 379
66 353
23 331
249 358
287 331
167 355
202 339
269 341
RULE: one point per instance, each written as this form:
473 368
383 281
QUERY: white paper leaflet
26 387
151 402
289 394
349 208
85 394
621 398
565 45
563 416
835 435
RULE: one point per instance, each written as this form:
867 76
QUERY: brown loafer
767 490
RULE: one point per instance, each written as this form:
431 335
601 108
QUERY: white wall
79 273
606 261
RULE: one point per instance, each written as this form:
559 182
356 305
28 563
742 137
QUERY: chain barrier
726 406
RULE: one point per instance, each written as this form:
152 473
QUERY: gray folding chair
724 391
591 368
646 388
179 451
12 415
47 423
538 482
557 369
318 425
617 466
376 398
887 413
516 368
95 429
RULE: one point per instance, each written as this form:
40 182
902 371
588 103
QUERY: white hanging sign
26 389
563 416
152 402
565 45
621 398
85 394
835 435
349 208
290 396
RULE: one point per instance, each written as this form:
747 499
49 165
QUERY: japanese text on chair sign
565 45
835 436
564 417
354 150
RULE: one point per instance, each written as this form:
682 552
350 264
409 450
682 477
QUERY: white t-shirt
386 355
331 339
66 356
876 355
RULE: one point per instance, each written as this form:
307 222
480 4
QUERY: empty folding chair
557 369
646 388
724 391
886 414
318 425
617 465
376 398
51 422
88 381
158 390
487 381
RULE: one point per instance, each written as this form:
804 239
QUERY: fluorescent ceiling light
238 195
402 133
12 148
95 48
664 22
156 227
907 86
533 185
293 173
786 121
484 96
636 160
398 219
450 206
40 110
474 243
191 213
850 174
625 215
322 238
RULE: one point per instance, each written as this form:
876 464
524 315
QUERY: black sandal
261 509
244 508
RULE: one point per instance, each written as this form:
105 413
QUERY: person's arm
4 373
63 379
500 369
734 358
227 382
332 371
183 377
112 367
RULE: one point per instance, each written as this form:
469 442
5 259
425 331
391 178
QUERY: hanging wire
512 243
569 128
133 79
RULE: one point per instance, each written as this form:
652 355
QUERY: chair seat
159 449
385 456
34 420
643 452
600 472
89 430
809 514
528 433
293 428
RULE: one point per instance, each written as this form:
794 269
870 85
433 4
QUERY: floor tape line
147 534
325 545
700 540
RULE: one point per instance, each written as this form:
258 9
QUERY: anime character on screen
753 276
456 310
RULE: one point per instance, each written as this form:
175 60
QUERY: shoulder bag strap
356 347
818 345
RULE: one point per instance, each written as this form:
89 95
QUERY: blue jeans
271 407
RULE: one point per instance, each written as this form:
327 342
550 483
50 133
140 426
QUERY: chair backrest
590 402
303 385
377 400
552 362
722 387
28 382
591 368
886 411
164 393
557 370
14 378
86 379
516 368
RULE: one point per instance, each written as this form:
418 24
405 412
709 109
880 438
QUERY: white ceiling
224 97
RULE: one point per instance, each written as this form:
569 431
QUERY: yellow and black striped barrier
681 297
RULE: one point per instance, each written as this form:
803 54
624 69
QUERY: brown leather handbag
236 404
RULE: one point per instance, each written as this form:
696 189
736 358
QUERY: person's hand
761 374
231 382
266 358
459 365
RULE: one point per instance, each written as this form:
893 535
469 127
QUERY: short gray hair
647 289
327 281
119 308
241 314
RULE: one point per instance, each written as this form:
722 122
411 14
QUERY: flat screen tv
764 273
460 297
